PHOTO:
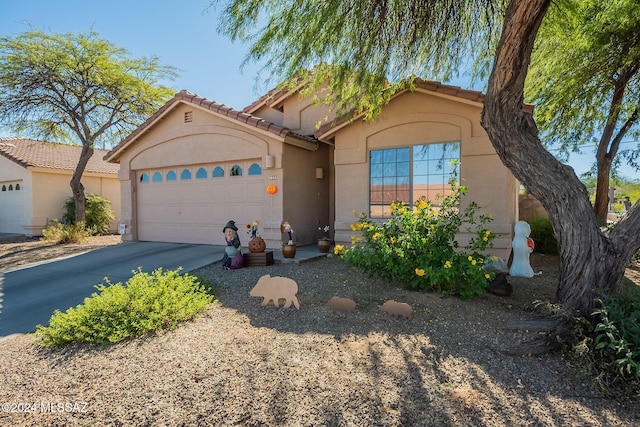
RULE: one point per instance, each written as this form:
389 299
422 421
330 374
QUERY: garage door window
157 177
144 177
171 176
201 173
255 169
236 170
218 172
186 174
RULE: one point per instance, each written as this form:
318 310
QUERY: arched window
4 188
157 177
185 174
171 175
236 171
17 187
201 173
10 187
255 169
144 177
218 172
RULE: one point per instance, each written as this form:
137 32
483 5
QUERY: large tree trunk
76 181
590 263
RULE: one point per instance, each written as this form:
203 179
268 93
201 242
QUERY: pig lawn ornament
520 266
276 288
397 309
341 304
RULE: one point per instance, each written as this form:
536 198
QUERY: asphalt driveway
30 294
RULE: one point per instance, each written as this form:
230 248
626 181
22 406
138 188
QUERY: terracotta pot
324 245
289 251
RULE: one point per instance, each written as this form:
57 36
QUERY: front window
410 173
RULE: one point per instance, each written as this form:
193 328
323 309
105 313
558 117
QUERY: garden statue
232 258
338 304
522 247
276 288
286 228
397 309
253 229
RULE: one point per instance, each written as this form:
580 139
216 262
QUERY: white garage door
192 204
11 207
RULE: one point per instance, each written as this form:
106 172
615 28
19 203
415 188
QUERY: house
34 183
196 164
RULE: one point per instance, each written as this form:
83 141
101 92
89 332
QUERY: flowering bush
418 246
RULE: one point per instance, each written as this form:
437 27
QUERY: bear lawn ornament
341 304
397 309
276 288
520 266
257 245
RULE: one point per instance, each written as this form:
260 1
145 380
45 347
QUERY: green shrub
65 233
98 214
543 236
418 246
617 334
148 302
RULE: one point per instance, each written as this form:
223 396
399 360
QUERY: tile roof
187 97
48 155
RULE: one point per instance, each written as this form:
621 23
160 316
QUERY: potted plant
324 242
289 248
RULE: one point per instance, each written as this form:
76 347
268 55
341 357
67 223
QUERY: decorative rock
341 304
397 309
499 286
276 288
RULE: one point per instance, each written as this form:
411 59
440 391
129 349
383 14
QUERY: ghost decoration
521 246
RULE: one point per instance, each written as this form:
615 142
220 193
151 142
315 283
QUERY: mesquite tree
371 46
78 88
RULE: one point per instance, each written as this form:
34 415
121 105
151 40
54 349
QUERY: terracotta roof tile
240 116
49 155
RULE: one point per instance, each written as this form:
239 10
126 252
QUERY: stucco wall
51 190
420 118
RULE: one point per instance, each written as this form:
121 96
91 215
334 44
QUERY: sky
182 33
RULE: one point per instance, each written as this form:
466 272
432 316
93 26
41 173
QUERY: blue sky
183 33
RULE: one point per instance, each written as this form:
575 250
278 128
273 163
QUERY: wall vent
188 117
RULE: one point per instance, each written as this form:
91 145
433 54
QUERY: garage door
11 207
192 204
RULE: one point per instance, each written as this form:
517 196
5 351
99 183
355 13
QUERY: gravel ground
241 364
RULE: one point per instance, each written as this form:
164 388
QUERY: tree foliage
79 88
361 48
585 82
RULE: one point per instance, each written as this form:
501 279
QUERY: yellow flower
447 264
420 271
392 240
376 235
473 262
421 204
487 276
353 227
470 258
337 249
488 232
485 238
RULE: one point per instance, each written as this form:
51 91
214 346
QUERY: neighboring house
196 164
34 183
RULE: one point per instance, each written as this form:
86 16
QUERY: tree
79 88
585 79
368 42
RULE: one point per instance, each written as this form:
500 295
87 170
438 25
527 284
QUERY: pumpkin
257 244
272 189
531 244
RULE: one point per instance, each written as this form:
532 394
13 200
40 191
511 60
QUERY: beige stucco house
34 183
196 164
